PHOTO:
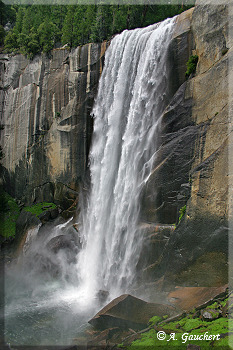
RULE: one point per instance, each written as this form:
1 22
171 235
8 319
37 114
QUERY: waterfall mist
50 294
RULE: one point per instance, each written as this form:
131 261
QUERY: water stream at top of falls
50 295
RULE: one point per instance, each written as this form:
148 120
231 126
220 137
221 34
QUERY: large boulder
61 242
25 224
54 250
25 221
127 311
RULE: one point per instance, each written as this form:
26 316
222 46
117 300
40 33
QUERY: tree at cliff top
47 35
38 28
7 14
3 201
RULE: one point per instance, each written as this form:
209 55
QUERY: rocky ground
206 326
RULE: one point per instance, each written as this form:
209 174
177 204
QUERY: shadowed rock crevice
177 136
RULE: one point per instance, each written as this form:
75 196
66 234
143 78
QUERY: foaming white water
131 97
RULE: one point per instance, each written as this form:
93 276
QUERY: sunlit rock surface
45 110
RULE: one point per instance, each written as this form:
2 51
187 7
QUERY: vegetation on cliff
182 211
11 211
39 208
32 29
8 216
210 322
191 65
3 200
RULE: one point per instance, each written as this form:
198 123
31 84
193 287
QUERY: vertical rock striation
192 168
45 110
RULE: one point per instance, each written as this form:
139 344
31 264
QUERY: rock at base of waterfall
103 336
102 296
210 314
49 214
25 221
127 311
187 298
62 242
193 347
44 217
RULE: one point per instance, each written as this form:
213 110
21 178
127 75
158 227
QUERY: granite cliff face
192 166
46 108
205 226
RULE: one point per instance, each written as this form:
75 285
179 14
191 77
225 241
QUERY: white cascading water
132 95
51 295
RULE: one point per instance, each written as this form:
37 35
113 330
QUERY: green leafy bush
191 65
181 212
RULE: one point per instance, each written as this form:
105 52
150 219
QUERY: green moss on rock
154 320
191 326
39 208
8 217
213 306
147 341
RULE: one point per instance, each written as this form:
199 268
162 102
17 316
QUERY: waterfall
58 289
132 95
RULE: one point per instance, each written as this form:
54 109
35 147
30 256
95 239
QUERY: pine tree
27 21
68 27
47 35
19 20
7 14
3 201
10 42
102 28
2 34
119 15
